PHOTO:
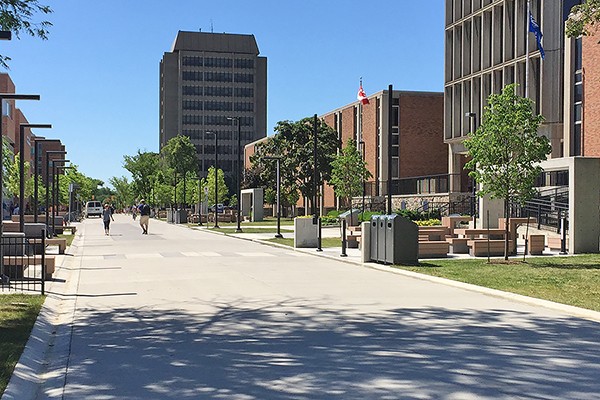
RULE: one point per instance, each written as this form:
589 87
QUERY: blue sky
98 77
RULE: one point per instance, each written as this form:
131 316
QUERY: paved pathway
187 314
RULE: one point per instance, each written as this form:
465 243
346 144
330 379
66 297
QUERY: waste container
373 230
401 240
180 217
381 238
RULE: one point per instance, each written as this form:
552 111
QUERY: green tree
145 172
180 155
294 143
583 18
12 181
16 16
210 183
349 171
506 150
123 193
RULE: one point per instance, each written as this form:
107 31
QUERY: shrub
429 222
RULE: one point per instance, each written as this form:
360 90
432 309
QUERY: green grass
246 229
568 280
68 237
17 316
267 221
325 242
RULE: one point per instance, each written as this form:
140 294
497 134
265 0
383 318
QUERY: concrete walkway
187 314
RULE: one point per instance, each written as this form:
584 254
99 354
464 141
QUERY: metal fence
24 265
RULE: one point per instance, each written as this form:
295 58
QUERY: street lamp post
55 200
48 153
6 96
362 147
58 167
278 234
36 167
216 179
22 171
473 118
315 170
239 171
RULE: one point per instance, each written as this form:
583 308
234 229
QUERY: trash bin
373 230
381 238
401 240
180 217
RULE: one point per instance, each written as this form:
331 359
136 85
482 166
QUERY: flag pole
527 22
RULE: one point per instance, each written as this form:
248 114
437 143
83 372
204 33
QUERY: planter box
305 233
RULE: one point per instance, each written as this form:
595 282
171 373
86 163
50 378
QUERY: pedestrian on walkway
107 216
144 210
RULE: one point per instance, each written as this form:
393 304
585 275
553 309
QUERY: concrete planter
305 233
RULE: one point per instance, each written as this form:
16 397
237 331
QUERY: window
244 63
192 104
218 62
218 91
192 75
192 61
217 105
242 106
218 76
244 78
192 90
244 92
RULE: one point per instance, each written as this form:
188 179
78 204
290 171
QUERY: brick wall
591 96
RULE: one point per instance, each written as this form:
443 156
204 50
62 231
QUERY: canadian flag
361 95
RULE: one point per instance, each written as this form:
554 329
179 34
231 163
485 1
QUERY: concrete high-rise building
205 80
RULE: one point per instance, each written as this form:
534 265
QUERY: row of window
217 62
217 105
201 136
214 120
217 91
212 76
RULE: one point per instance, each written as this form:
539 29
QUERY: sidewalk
183 313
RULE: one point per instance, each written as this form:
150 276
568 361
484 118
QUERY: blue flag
535 28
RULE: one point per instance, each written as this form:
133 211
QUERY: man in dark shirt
144 210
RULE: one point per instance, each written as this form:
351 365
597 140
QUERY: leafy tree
16 16
144 169
123 193
294 143
210 183
12 182
582 18
180 155
506 150
349 171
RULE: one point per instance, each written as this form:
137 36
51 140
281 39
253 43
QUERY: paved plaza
187 314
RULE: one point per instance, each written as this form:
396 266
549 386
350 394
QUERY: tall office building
485 51
205 80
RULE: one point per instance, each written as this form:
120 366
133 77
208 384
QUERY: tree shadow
299 349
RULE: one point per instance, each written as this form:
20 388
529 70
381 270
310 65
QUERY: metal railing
549 207
24 263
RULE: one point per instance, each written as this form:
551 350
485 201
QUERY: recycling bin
373 230
381 238
401 240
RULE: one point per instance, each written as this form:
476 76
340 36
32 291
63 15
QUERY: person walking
107 216
144 210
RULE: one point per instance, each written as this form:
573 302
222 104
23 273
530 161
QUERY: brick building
418 153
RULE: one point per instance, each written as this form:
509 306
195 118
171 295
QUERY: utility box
373 230
401 240
381 238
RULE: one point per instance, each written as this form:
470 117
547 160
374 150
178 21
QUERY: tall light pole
6 96
55 200
22 128
36 167
57 168
473 127
278 234
239 171
362 147
315 169
48 154
216 179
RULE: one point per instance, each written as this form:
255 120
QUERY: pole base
319 249
239 230
278 236
343 255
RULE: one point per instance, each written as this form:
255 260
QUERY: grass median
325 242
18 313
569 280
246 229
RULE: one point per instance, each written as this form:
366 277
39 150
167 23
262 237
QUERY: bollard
563 235
319 235
343 238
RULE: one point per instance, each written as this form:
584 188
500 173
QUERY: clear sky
98 77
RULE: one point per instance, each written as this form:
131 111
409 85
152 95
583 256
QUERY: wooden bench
433 248
60 242
71 228
458 245
432 233
536 244
554 243
479 248
15 266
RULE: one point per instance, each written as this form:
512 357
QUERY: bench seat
458 245
433 248
60 242
15 266
554 243
479 247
